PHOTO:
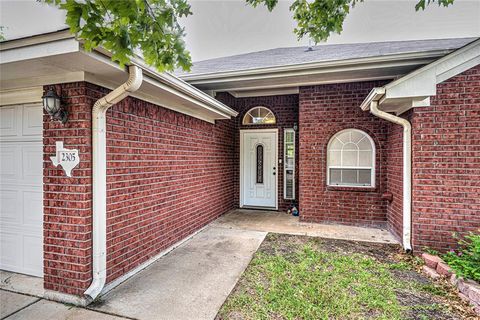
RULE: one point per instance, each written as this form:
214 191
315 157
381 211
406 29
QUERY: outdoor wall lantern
52 104
295 127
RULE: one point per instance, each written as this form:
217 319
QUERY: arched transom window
351 159
259 115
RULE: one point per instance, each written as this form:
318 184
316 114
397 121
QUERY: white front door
21 177
258 168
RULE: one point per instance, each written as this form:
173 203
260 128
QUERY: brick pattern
395 179
446 163
168 175
325 110
68 201
285 108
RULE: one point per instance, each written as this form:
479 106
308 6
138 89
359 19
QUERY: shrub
466 260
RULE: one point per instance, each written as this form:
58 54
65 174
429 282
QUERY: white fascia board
188 99
422 82
185 89
308 67
416 88
422 85
36 39
374 95
40 50
318 70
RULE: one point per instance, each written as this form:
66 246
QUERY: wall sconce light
52 104
295 126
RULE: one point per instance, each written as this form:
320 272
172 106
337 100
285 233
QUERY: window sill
351 189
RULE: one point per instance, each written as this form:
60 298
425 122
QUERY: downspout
99 155
407 170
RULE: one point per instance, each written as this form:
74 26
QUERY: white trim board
415 89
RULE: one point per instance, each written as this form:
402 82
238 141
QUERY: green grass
313 284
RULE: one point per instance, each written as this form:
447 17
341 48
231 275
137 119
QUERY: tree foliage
317 19
151 26
123 27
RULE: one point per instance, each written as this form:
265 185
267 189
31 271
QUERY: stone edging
468 290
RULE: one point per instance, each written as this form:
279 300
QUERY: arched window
259 115
351 159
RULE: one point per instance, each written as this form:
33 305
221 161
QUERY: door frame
242 133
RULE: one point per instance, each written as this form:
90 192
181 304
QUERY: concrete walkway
189 283
280 222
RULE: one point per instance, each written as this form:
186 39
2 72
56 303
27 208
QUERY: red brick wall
325 110
285 108
167 176
446 163
68 201
394 156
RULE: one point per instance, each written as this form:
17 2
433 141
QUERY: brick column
68 201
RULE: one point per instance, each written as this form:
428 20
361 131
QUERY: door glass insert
260 163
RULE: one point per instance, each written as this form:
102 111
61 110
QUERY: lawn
297 277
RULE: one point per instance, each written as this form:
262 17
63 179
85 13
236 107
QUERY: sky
229 27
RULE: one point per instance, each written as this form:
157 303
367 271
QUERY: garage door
21 217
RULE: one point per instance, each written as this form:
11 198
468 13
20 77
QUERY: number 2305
68 156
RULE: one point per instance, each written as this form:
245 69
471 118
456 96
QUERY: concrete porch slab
191 282
281 222
11 302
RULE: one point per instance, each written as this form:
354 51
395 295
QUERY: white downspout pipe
407 170
99 157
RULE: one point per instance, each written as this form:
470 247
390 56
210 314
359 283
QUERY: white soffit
59 58
364 69
264 92
416 88
422 82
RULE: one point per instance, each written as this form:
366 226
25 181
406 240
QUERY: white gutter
99 154
407 162
255 73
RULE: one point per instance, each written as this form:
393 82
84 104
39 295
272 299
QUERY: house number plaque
66 158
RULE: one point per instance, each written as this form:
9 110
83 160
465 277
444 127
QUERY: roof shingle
321 53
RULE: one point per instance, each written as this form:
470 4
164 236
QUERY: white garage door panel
31 125
21 216
8 121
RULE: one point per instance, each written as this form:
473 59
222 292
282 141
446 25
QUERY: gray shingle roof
320 53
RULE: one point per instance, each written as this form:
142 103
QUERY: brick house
380 134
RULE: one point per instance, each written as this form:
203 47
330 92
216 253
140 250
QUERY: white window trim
258 124
372 168
285 164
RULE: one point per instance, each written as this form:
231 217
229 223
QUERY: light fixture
52 104
295 126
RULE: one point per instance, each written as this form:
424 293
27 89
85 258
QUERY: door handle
274 172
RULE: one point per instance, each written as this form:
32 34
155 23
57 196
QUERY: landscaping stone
454 279
431 272
464 297
461 285
472 291
469 291
431 260
443 269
